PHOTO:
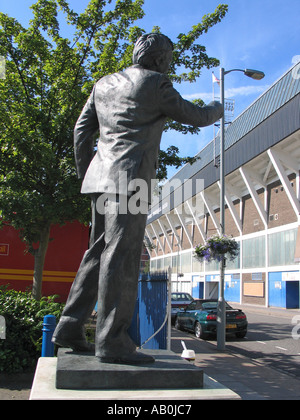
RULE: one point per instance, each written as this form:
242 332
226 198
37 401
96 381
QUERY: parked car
200 317
179 300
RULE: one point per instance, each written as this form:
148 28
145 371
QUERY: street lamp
254 74
221 315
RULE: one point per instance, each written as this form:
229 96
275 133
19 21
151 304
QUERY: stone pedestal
51 369
84 371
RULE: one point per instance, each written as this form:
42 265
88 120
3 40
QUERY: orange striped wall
65 251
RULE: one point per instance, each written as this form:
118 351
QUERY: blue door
292 294
198 288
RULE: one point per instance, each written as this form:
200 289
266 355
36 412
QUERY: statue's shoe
78 345
73 338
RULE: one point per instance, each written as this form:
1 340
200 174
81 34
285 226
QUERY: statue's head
154 52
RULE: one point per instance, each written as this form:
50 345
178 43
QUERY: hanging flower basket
216 247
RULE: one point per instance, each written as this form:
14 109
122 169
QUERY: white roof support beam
165 233
172 226
211 211
156 233
233 190
232 209
287 160
276 158
184 227
269 167
199 227
255 176
149 237
260 208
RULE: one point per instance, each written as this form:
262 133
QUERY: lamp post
177 262
221 313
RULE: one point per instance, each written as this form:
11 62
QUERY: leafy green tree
47 81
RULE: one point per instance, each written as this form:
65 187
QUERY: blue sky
259 34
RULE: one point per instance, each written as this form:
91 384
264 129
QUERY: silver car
179 300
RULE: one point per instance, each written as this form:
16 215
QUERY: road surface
272 340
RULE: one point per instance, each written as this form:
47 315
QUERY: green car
200 317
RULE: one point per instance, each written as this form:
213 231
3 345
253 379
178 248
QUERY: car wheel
241 334
199 331
177 324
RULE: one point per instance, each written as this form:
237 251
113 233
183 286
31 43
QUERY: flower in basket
216 247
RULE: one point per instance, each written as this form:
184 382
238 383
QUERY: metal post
169 285
49 325
221 316
177 269
2 328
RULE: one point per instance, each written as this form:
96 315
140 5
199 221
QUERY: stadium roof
271 118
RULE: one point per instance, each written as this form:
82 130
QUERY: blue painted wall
283 294
232 290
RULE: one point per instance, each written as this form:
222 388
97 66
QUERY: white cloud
245 91
229 93
201 95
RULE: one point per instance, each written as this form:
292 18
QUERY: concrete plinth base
44 388
85 371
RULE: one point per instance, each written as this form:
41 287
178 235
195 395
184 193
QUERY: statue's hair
150 47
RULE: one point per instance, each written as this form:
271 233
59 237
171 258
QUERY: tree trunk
39 260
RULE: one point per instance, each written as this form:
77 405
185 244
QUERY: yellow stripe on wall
60 273
12 277
47 273
59 279
14 271
49 276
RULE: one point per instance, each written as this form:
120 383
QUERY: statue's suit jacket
130 110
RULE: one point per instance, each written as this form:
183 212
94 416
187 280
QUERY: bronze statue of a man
129 109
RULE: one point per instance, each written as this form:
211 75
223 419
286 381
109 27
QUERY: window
233 265
174 263
197 266
160 264
153 265
254 252
192 306
167 263
282 247
213 265
186 262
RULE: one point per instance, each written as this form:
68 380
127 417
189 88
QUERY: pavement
249 378
258 309
15 386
